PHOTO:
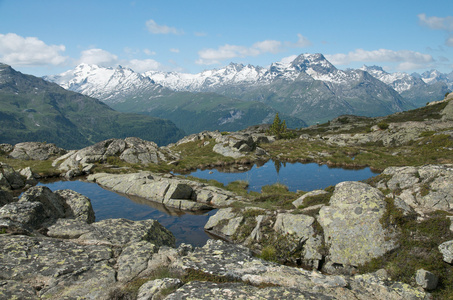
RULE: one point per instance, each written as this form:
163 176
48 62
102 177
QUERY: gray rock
36 151
152 289
5 198
29 214
446 249
426 279
9 178
226 150
77 206
122 232
11 289
300 201
354 215
54 204
134 259
69 229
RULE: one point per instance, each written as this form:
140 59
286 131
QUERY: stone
426 279
11 289
122 232
446 249
151 290
35 151
226 150
5 198
69 229
29 214
354 214
134 259
300 201
77 206
9 178
54 204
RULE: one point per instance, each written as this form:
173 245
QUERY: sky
46 37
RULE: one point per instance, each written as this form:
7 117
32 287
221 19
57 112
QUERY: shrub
383 125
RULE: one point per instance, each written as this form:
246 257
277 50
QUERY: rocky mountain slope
32 109
309 88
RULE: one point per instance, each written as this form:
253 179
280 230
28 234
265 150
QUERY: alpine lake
188 227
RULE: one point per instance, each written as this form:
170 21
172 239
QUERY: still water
186 227
189 228
296 176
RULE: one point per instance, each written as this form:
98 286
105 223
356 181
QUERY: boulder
25 215
122 232
35 151
69 229
446 249
354 214
299 229
9 178
225 222
53 204
5 198
300 201
426 279
153 289
77 206
134 259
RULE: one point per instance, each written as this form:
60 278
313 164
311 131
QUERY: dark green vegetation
196 112
32 109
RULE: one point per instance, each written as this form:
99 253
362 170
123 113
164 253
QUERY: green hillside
32 109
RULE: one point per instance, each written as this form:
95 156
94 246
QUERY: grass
41 167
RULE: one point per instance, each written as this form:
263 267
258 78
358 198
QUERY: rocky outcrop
245 272
238 144
354 214
35 151
421 189
10 179
131 150
166 189
50 248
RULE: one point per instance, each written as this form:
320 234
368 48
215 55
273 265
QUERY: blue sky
50 36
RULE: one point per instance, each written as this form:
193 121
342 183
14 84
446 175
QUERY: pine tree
278 127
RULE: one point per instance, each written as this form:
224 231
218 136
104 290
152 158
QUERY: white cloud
436 22
144 65
154 28
174 50
449 41
200 34
149 52
215 56
289 59
29 51
302 42
98 57
405 58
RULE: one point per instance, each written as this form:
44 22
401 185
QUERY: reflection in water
186 227
296 176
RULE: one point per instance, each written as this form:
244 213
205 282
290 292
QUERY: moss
316 199
269 253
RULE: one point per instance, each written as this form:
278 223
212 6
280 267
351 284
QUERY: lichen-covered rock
53 204
35 151
69 229
236 263
425 189
152 290
299 229
77 206
11 289
225 222
31 215
134 259
122 231
354 215
446 249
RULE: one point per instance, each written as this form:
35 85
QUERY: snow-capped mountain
309 87
105 84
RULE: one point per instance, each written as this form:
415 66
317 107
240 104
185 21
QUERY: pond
296 176
187 228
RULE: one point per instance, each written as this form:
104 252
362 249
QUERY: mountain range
32 109
309 88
